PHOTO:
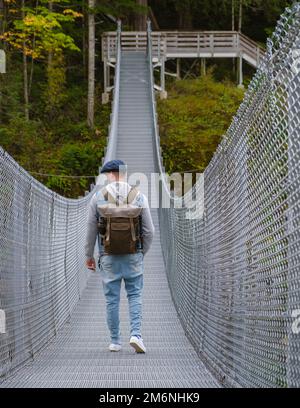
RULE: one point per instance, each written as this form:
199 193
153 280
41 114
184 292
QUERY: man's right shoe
137 344
115 347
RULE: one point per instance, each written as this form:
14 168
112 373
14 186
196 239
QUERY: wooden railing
191 44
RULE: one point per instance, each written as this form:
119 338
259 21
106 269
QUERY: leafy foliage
56 145
41 31
193 119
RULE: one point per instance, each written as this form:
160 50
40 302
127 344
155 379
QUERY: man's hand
91 264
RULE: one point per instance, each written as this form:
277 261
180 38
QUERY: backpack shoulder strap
107 196
132 194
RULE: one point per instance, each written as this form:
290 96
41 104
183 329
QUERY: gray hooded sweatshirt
119 190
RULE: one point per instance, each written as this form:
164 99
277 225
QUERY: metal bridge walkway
79 356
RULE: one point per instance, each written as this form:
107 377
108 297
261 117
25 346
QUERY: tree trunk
233 29
1 43
239 69
91 64
240 15
32 60
141 19
154 21
50 55
25 72
84 47
185 15
1 17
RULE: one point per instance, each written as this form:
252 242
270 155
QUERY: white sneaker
137 344
115 347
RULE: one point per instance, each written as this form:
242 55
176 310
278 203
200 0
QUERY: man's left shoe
137 343
115 347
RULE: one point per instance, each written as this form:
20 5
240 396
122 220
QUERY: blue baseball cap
114 165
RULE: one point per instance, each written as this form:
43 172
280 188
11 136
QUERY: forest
52 120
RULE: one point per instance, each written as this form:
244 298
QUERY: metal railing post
211 44
198 44
178 68
240 85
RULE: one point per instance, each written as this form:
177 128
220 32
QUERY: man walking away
119 214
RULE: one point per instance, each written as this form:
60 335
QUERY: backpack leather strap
108 230
132 230
132 194
107 196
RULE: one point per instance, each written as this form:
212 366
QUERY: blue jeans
114 268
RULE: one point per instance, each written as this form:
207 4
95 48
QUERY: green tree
37 32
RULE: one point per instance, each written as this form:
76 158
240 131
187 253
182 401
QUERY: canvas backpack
120 225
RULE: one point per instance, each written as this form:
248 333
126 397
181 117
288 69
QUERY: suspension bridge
222 290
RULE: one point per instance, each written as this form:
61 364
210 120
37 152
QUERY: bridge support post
240 72
178 69
106 72
105 98
203 66
163 92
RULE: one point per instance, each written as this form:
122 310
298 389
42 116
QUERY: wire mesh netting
234 272
42 269
42 259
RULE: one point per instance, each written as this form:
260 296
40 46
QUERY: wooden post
178 66
163 93
211 44
105 95
108 76
203 66
105 75
240 84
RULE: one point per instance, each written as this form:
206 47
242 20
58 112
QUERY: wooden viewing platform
168 45
192 44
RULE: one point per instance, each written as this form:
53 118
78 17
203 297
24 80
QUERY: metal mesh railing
234 272
42 268
42 261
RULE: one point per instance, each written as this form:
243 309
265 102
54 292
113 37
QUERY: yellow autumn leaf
73 13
